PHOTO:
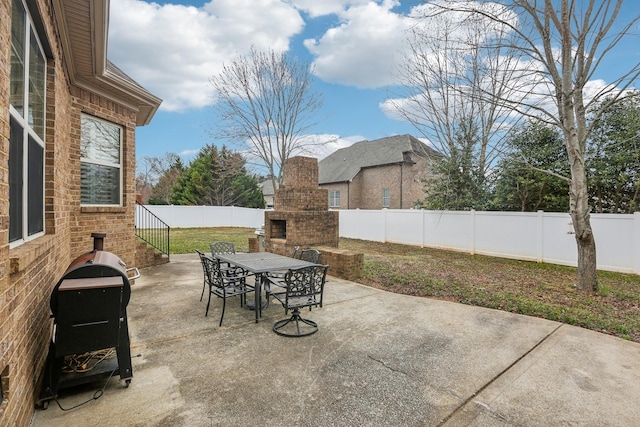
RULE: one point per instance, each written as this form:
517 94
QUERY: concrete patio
378 359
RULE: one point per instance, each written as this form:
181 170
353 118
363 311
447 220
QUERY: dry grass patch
541 290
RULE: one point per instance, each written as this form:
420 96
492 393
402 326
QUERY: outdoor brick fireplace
301 215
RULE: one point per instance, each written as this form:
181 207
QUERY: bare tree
444 74
156 177
266 104
564 42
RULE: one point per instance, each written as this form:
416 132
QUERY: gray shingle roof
344 164
267 187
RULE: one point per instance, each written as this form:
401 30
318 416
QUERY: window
334 199
26 129
100 162
386 198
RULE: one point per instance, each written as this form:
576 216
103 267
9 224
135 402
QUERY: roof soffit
83 27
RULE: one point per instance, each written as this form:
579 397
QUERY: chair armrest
276 281
276 274
235 271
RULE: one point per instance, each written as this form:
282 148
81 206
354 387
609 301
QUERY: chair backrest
222 248
311 255
305 286
212 270
204 267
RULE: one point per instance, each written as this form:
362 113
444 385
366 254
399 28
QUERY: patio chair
225 285
277 276
222 248
205 281
280 274
304 288
311 255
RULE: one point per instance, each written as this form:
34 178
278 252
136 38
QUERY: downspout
348 195
401 182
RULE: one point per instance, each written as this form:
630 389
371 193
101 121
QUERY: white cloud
188 155
318 146
317 8
361 51
321 145
173 50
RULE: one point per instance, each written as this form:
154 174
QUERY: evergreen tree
459 181
613 158
533 174
217 178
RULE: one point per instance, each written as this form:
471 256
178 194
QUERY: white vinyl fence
207 216
531 236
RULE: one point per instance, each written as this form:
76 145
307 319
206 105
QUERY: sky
172 48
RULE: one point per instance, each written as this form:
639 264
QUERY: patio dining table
262 263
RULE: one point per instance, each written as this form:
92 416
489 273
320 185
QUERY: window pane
100 185
334 199
100 141
18 17
16 170
36 188
36 86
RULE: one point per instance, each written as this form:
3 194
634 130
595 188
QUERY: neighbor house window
100 162
26 129
334 199
386 198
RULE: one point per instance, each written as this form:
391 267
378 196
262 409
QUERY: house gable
344 164
367 171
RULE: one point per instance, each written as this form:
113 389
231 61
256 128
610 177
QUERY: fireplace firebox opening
278 229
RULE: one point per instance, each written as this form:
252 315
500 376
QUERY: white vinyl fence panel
531 236
208 216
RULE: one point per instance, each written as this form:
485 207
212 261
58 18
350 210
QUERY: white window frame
29 126
334 198
386 198
93 160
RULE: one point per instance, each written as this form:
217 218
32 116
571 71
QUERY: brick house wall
117 222
404 181
29 272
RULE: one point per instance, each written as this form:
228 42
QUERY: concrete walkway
379 359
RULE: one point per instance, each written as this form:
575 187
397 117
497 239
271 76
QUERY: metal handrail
152 229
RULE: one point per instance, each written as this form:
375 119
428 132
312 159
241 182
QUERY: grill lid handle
135 275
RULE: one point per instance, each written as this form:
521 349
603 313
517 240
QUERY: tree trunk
587 273
581 219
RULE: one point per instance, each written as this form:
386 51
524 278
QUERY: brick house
67 168
384 173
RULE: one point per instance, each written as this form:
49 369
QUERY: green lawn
186 240
541 290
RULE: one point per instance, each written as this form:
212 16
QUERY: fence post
636 242
540 236
472 248
423 237
384 225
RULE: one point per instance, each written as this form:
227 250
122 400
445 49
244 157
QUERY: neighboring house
268 192
385 173
67 168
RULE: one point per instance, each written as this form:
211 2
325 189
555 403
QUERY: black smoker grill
89 305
